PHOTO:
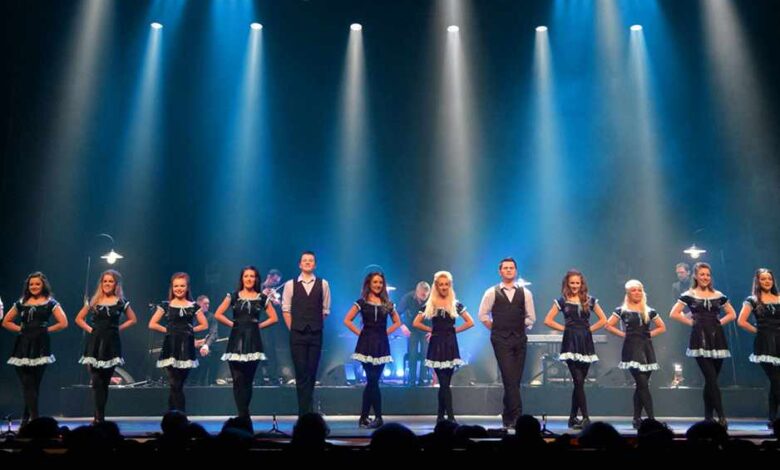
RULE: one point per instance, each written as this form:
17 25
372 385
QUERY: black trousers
305 348
101 379
510 353
30 377
418 348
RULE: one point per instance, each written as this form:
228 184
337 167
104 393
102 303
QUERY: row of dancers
506 309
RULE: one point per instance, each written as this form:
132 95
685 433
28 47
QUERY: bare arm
602 319
396 322
81 318
660 327
418 323
468 322
611 326
744 316
549 320
154 322
131 320
8 321
203 324
59 316
677 314
272 316
730 316
349 319
219 315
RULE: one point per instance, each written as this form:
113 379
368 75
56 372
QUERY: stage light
541 29
399 373
636 27
453 29
387 372
256 26
694 252
112 256
356 27
156 25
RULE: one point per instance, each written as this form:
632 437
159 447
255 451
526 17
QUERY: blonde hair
643 308
451 308
118 292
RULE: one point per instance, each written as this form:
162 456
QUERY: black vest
509 316
306 309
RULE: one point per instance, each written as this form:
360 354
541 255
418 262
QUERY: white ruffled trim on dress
711 353
31 362
444 364
91 361
568 356
257 356
177 364
372 360
638 365
774 360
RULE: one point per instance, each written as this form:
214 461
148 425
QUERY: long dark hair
757 285
180 275
45 290
258 278
695 282
367 288
583 294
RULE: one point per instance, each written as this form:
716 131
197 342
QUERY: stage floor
345 427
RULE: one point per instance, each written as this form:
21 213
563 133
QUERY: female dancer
178 353
442 310
577 348
708 342
638 355
32 348
245 348
765 305
373 345
103 351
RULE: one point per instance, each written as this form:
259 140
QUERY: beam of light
453 28
636 27
256 26
743 97
541 29
140 164
353 151
547 154
356 27
156 25
75 106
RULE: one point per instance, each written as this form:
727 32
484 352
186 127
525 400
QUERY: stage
469 400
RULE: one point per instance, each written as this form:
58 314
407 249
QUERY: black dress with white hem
577 343
104 349
637 352
766 345
245 343
443 352
373 345
707 336
32 346
178 349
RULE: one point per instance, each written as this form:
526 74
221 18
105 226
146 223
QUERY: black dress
178 349
707 337
766 346
103 349
244 343
373 346
577 343
32 346
638 352
443 350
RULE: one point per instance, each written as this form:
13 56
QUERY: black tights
642 397
445 393
243 374
773 372
710 368
31 377
371 394
579 371
101 379
176 378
